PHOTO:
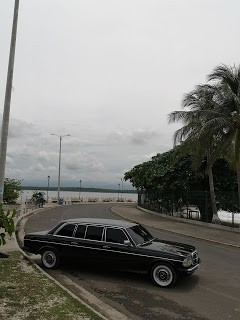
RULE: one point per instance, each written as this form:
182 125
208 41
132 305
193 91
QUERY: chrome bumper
191 268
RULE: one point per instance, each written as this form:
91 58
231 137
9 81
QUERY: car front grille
195 257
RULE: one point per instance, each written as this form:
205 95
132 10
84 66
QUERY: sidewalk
196 230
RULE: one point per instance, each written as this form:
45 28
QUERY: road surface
212 292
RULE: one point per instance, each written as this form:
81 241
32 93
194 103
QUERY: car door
122 251
118 248
89 241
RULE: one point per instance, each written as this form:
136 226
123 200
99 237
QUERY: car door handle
106 247
74 242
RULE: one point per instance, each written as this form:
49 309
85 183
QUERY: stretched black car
117 243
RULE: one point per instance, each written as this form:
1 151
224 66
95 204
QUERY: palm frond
227 75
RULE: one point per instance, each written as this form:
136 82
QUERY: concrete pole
80 183
7 102
59 168
48 178
59 162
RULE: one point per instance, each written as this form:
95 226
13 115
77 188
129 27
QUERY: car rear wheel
163 275
50 259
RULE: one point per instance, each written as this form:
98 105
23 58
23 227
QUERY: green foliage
6 223
166 183
162 175
12 189
38 198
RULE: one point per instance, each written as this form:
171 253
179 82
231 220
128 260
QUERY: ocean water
68 195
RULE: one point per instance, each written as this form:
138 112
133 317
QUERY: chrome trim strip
102 249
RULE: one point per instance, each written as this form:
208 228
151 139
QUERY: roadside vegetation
12 189
6 224
206 153
26 294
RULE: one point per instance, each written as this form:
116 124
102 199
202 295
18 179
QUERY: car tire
163 274
50 259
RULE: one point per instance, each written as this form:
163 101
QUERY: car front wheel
50 259
163 275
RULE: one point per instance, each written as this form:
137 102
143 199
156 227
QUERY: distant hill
75 189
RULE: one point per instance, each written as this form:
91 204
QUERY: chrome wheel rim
162 275
49 259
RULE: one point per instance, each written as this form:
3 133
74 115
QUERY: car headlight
187 261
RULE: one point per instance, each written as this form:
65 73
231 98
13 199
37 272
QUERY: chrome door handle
74 242
106 247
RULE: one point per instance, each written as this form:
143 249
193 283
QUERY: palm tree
227 116
196 136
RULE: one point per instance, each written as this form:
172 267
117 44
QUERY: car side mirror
127 243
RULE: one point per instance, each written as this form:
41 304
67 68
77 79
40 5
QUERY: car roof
106 222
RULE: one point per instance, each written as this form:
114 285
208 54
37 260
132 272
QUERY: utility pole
7 102
59 161
80 184
48 178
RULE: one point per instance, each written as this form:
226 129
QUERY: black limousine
117 243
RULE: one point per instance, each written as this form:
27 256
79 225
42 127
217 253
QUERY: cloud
134 137
142 136
84 162
20 128
108 76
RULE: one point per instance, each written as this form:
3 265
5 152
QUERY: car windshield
140 235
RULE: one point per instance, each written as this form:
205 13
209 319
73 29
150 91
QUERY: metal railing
194 205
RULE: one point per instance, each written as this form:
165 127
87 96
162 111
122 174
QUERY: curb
114 314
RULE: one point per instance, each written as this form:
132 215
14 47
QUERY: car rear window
55 228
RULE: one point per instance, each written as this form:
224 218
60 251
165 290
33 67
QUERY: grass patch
26 294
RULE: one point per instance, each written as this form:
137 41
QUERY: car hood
169 247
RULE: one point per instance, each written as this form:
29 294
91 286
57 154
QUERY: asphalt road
212 292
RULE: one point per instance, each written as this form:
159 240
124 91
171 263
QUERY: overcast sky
107 72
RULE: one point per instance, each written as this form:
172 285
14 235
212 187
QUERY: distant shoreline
75 189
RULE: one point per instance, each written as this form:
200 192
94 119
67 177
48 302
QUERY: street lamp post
122 190
7 101
118 191
80 183
59 162
48 187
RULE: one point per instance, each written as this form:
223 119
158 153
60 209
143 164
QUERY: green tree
12 189
196 137
6 223
38 198
166 182
227 113
175 182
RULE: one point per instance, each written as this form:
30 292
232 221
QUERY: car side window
80 232
115 235
94 233
67 230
